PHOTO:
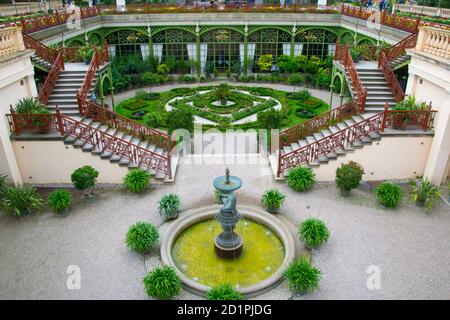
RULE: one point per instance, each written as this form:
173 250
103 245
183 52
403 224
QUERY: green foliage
287 64
84 178
137 180
28 105
313 65
301 179
295 79
20 200
86 52
424 192
313 232
272 200
265 62
410 103
389 194
59 200
180 118
162 69
323 79
189 79
301 95
301 276
133 104
270 119
169 204
142 237
145 96
162 283
305 113
222 92
348 176
3 184
302 62
154 119
223 292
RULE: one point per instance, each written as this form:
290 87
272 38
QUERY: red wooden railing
400 119
339 140
52 78
315 124
391 79
361 92
390 20
104 142
399 49
41 50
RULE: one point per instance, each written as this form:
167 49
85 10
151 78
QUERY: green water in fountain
262 255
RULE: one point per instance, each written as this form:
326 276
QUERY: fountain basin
195 217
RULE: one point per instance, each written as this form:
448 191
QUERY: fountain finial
227 176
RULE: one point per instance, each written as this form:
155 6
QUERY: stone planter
169 214
420 203
271 209
89 198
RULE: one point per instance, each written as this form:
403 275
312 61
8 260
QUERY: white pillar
8 162
438 159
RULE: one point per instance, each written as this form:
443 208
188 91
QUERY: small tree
265 62
84 179
287 64
153 120
348 177
180 118
270 119
163 69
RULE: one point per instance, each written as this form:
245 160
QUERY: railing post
14 120
59 121
385 114
426 120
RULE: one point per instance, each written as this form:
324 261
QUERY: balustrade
11 41
434 41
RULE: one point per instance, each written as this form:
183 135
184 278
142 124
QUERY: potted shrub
168 205
301 179
313 232
60 200
423 193
162 283
84 179
137 180
41 121
348 177
302 277
223 292
389 194
20 200
86 52
142 237
28 105
400 120
272 200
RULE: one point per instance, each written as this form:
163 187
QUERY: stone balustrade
434 41
11 41
29 7
428 11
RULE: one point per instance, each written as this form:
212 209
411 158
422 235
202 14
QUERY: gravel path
410 247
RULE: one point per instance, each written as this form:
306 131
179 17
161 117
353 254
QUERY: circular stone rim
193 216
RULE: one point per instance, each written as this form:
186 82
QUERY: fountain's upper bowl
226 186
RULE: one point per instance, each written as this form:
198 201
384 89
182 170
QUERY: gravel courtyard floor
411 248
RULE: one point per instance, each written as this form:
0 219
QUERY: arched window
127 42
221 48
316 42
275 42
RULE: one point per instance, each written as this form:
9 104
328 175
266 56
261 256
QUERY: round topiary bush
59 200
162 283
142 237
313 232
223 292
301 179
348 177
84 178
168 205
389 194
301 276
137 180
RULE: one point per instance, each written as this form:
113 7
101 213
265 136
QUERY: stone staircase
116 158
69 82
358 144
400 61
378 91
36 60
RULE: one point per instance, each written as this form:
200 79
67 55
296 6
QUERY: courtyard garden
222 106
